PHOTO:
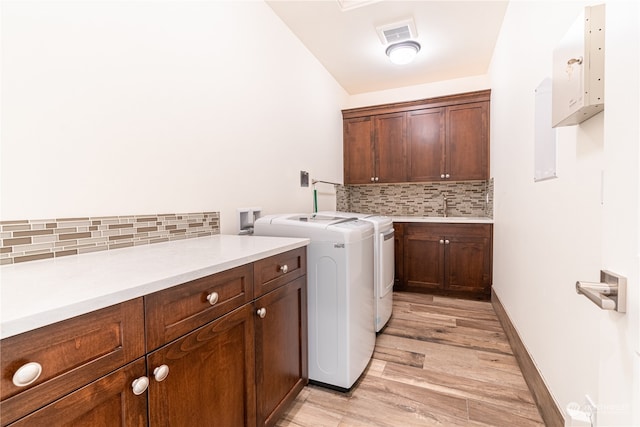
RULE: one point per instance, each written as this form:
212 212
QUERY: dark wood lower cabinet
281 350
240 365
423 261
107 402
220 375
211 375
446 259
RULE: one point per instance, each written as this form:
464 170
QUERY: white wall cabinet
578 70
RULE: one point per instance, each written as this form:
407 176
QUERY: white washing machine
383 263
339 292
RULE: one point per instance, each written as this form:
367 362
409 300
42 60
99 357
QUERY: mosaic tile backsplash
30 240
468 198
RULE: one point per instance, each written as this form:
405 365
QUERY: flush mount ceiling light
403 52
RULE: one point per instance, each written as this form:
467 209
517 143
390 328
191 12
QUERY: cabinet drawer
110 398
444 229
275 271
173 312
72 353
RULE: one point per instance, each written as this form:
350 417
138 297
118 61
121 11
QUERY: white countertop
38 293
440 219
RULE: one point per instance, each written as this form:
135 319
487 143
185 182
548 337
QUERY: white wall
619 335
149 107
428 90
552 233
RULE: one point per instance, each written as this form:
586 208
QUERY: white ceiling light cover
403 52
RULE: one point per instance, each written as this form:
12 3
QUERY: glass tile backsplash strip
464 198
30 240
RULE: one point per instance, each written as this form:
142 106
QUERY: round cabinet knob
372 179
442 176
377 179
446 242
447 176
213 298
441 242
262 312
27 374
139 385
284 268
161 372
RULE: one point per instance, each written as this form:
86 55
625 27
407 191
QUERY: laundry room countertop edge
39 293
444 220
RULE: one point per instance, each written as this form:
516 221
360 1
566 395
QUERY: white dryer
339 292
383 263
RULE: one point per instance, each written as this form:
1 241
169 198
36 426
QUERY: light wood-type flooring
439 361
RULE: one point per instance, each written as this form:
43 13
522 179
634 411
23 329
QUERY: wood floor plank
492 415
485 325
439 362
455 385
396 355
458 312
457 336
471 305
474 364
319 407
406 314
405 396
402 405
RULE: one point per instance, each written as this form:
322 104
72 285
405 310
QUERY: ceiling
457 38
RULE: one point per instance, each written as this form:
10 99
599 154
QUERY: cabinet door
211 378
107 402
449 259
281 349
425 143
423 261
468 263
467 144
358 150
390 148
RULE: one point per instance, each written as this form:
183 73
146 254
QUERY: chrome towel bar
608 294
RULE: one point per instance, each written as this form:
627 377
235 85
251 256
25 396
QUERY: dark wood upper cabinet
426 143
467 142
445 138
375 149
390 148
358 150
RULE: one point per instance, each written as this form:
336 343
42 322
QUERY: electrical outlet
304 179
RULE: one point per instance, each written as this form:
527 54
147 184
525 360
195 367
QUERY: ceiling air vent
346 5
397 32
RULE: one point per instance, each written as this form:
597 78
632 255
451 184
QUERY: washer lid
381 222
314 220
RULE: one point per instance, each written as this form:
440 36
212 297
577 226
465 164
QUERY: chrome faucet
444 205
